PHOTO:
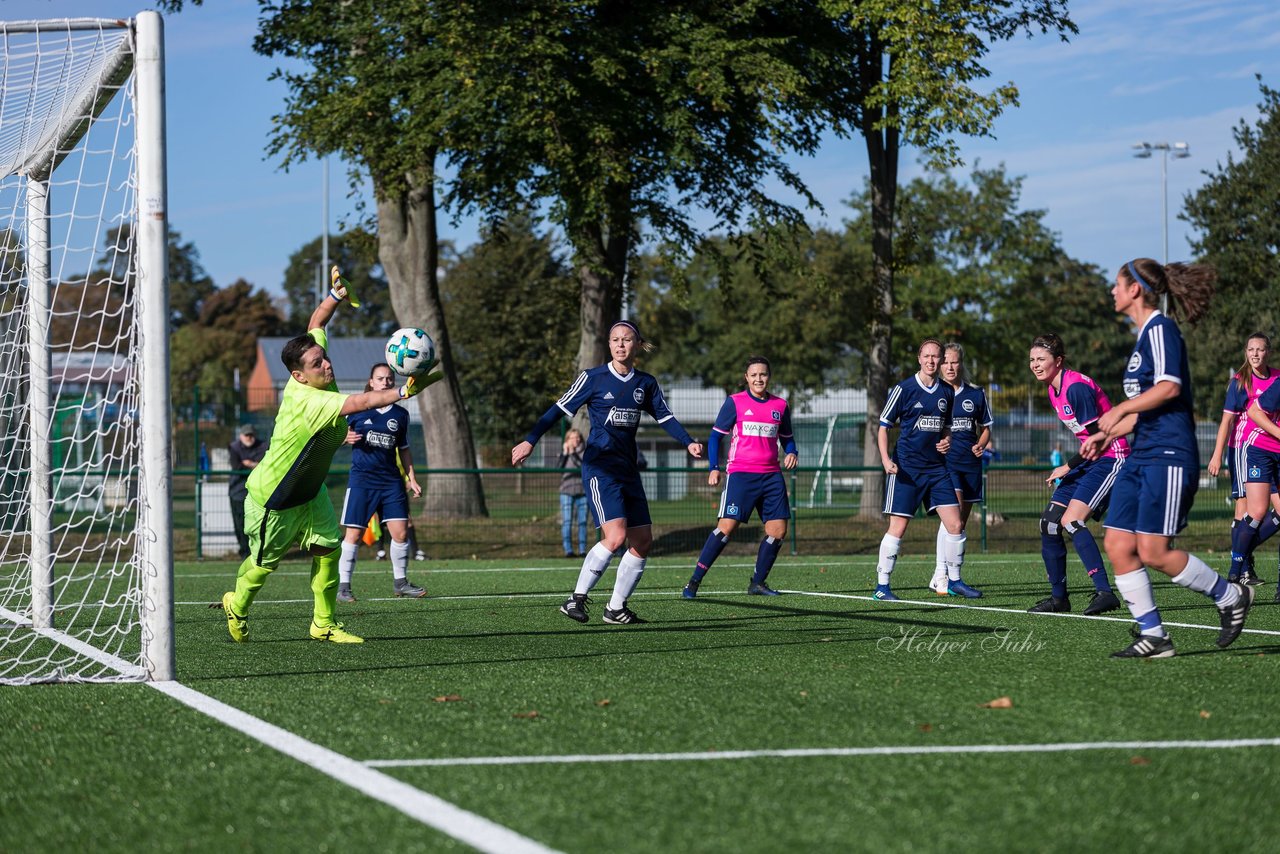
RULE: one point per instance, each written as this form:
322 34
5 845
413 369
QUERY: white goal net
86 562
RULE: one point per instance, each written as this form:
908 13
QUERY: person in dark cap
245 452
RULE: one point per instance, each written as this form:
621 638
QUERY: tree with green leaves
1237 216
189 284
368 80
207 352
356 254
906 76
512 303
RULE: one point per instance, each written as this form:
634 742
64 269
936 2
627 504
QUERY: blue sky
1166 71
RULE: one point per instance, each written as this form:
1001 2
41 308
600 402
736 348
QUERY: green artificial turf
487 667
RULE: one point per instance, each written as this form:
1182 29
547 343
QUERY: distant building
352 358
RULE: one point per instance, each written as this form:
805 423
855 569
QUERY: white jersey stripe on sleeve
890 402
573 390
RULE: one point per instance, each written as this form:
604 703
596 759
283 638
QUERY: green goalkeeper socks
249 580
324 584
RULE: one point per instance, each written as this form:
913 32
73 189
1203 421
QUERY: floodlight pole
1180 151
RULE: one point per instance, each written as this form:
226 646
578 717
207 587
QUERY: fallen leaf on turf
823 569
530 714
1139 760
603 702
385 701
999 703
804 693
825 640
926 727
1205 714
447 698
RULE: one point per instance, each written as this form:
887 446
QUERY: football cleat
333 634
938 584
575 607
959 588
624 616
1101 602
409 589
690 590
761 589
237 626
1251 578
884 594
1051 605
1147 646
1232 617
345 595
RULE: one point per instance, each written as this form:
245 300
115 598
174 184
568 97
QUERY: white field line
809 752
869 562
660 594
476 831
1022 611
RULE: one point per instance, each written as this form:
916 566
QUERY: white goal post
86 532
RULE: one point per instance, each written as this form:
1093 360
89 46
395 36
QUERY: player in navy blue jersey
970 435
615 395
1155 488
922 406
381 462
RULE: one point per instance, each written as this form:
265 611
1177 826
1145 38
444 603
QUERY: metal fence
835 511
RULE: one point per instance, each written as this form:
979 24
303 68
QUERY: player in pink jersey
1083 486
755 421
1235 434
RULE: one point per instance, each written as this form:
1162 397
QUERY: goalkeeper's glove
341 289
416 384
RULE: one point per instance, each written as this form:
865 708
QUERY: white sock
399 560
888 558
954 554
347 563
1197 576
593 566
940 567
1135 590
630 568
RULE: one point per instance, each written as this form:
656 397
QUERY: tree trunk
602 251
882 151
409 252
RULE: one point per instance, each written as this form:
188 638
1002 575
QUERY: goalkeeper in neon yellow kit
287 501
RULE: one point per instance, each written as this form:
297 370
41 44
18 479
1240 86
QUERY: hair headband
631 326
1134 272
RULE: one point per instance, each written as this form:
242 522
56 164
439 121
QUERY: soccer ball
410 351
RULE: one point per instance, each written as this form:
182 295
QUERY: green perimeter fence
834 511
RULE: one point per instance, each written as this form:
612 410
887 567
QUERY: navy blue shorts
1261 466
968 483
1236 465
1091 483
391 503
905 491
1152 498
764 492
611 496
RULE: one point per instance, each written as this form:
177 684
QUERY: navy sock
1244 537
1266 531
769 548
1054 551
1087 547
710 551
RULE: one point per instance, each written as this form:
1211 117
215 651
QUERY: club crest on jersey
638 395
1135 361
1066 410
393 425
942 405
777 416
966 405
